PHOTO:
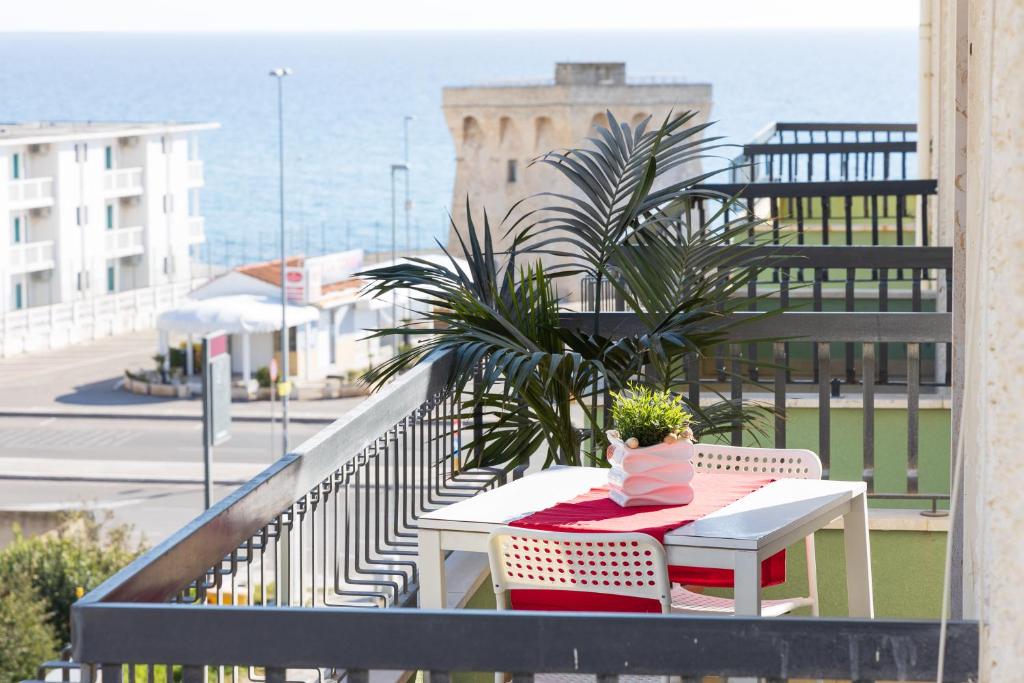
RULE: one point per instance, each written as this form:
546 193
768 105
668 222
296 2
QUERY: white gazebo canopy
235 314
243 314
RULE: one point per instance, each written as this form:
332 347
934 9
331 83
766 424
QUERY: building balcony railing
196 229
284 573
121 242
31 193
802 152
32 257
194 176
123 182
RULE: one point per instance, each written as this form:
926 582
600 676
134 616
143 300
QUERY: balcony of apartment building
122 182
30 193
315 568
194 173
196 229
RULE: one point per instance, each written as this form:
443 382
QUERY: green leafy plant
627 223
26 639
648 415
79 555
263 376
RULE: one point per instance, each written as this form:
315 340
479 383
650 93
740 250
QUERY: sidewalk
81 381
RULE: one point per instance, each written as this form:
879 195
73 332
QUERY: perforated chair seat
688 602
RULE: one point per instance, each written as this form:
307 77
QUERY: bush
648 416
81 554
26 639
263 376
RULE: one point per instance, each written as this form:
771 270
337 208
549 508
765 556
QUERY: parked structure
93 210
499 129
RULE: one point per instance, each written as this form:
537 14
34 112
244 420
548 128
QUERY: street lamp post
408 200
395 168
280 74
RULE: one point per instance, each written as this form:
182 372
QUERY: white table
738 536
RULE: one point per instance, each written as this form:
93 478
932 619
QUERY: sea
345 103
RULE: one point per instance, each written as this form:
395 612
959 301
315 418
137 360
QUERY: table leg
858 559
431 567
747 584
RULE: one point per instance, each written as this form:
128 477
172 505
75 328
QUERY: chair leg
812 575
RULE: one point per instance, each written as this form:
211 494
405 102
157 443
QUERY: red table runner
596 512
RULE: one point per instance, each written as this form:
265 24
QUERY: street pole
280 74
408 200
395 168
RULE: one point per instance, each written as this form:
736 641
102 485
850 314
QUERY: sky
449 15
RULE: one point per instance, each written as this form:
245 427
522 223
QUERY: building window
16 230
19 302
82 215
15 166
108 157
511 170
168 203
111 279
110 216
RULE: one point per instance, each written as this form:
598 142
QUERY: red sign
273 369
218 345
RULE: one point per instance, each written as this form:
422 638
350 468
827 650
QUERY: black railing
872 212
335 643
795 152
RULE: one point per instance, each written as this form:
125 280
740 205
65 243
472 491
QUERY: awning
234 314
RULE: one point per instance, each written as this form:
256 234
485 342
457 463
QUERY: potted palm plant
526 371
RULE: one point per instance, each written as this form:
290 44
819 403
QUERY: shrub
648 416
263 376
81 554
26 639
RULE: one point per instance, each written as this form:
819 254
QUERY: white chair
791 463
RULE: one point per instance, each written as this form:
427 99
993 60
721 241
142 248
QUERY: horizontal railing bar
852 188
163 571
850 146
479 640
843 256
793 326
848 127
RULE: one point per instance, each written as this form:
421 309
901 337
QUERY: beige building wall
499 130
977 108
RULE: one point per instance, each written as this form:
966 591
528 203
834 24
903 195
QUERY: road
71 439
92 458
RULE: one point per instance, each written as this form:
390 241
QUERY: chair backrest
628 564
792 463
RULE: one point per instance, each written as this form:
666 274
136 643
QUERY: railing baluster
194 674
736 382
868 378
824 405
851 281
913 389
883 306
779 349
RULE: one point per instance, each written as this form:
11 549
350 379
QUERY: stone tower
498 129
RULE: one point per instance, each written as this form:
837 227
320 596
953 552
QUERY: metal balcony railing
123 182
31 193
32 257
795 152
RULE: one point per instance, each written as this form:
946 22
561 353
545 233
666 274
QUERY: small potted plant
650 448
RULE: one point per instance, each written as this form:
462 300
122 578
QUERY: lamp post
280 74
408 200
395 168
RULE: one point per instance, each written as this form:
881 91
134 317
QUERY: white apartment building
93 210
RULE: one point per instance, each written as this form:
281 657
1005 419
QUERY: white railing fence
51 327
31 192
123 180
31 256
124 241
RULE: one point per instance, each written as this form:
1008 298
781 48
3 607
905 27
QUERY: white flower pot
654 475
